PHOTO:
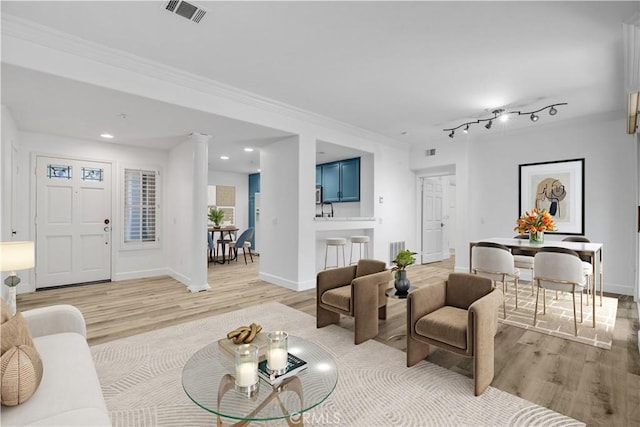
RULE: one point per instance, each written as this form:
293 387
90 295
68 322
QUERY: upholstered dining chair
523 259
460 316
496 262
559 269
587 266
243 241
356 291
211 247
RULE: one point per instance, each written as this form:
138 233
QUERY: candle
246 374
246 366
277 352
277 359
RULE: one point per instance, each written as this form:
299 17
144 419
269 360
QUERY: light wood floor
596 386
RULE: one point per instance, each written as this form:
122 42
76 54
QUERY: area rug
558 321
141 380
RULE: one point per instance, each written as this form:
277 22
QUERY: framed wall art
558 187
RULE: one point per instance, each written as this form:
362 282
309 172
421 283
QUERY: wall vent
394 248
430 152
186 9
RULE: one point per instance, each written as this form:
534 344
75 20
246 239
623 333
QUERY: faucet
331 205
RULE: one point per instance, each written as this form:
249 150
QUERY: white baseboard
285 283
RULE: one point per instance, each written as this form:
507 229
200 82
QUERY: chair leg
535 311
244 253
325 317
250 256
575 318
382 312
416 350
515 282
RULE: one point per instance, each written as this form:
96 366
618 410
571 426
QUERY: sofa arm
423 301
55 319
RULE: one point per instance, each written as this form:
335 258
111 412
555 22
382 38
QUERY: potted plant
403 259
216 216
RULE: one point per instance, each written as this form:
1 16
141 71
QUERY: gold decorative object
244 334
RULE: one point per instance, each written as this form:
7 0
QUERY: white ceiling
389 67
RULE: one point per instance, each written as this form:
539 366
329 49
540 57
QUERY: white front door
432 221
73 221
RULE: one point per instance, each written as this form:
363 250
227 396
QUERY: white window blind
140 207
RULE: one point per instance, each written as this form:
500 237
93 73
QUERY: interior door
73 221
432 221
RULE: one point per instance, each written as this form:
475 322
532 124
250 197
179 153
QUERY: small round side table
392 293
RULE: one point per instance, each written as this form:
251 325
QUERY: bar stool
338 242
359 240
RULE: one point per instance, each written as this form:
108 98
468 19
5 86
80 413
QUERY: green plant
403 259
216 216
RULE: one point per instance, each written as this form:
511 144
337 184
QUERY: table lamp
15 256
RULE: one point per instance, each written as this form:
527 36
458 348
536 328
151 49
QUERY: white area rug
141 380
558 321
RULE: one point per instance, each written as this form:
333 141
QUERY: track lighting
504 116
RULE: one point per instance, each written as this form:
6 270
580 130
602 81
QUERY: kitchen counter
344 223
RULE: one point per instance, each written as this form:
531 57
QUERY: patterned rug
141 380
559 318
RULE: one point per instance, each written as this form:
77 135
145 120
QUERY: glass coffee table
207 378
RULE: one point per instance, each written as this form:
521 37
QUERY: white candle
246 374
277 359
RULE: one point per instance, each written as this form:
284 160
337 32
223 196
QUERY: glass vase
536 237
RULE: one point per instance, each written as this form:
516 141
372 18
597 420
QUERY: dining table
231 230
592 250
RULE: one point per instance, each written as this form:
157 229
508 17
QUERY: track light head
452 133
553 111
466 129
488 125
534 117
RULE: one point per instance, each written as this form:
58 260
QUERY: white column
198 233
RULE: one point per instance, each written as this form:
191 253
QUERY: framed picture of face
557 187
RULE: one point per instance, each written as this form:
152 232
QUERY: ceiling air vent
186 10
430 152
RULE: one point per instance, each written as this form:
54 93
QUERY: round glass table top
208 380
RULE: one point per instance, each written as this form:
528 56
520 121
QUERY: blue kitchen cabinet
340 181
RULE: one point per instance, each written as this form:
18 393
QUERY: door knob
106 229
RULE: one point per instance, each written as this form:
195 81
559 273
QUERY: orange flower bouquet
535 223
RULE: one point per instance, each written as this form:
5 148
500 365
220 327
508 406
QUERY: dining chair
243 241
495 262
211 246
587 266
523 259
559 269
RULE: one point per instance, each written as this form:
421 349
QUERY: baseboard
285 283
142 274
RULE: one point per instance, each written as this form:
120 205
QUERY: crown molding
50 38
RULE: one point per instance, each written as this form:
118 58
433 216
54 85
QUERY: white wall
241 183
491 202
125 263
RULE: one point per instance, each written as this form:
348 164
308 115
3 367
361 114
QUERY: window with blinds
140 207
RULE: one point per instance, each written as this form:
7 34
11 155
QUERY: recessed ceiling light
248 149
258 170
224 157
106 136
404 132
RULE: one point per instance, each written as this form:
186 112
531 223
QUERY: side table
392 293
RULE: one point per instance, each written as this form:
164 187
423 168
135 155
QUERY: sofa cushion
69 394
14 332
447 324
339 298
21 373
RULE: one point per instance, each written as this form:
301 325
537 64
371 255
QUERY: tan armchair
357 291
461 316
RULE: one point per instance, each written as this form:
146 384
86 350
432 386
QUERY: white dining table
592 250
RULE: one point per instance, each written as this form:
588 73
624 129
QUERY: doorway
438 217
73 221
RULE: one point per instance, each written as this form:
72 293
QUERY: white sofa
69 394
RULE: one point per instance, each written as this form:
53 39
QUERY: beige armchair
461 316
357 291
